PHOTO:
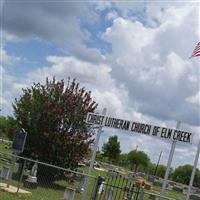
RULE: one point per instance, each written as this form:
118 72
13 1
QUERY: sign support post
13 161
18 147
193 171
169 164
93 157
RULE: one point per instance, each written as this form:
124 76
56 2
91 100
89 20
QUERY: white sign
146 129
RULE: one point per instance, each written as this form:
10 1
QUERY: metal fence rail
40 180
43 181
115 188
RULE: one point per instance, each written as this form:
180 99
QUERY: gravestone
81 185
31 181
177 188
5 173
69 194
112 173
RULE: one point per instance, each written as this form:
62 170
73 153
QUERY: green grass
56 193
46 192
5 148
43 193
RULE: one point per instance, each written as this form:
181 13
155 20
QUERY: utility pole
157 164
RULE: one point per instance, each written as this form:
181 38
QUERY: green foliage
151 168
123 159
4 124
53 116
111 149
161 171
183 173
138 158
7 126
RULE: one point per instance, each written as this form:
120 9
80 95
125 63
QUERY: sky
132 55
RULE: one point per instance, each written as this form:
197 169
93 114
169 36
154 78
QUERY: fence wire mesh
34 180
40 181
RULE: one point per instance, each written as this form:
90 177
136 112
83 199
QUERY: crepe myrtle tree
53 116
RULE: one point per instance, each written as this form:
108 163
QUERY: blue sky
133 56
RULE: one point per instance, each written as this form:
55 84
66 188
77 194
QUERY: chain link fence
26 179
31 179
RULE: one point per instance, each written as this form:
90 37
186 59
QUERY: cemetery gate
116 187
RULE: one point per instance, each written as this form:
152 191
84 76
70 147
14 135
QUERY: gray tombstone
81 185
69 194
34 169
5 173
31 181
112 173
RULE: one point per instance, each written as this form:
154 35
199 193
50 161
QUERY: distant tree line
140 161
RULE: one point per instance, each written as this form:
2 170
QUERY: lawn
49 192
5 147
56 190
46 191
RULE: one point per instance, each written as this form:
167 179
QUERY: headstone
5 173
81 185
112 173
31 181
69 194
34 169
177 188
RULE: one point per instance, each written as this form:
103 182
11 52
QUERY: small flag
196 51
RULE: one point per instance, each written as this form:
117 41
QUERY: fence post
21 176
109 194
99 181
12 168
141 196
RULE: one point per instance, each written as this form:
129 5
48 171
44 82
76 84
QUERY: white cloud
125 34
58 21
102 5
147 77
112 15
94 74
195 99
152 63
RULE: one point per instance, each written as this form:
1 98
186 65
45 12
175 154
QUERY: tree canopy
138 158
111 149
183 173
53 116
